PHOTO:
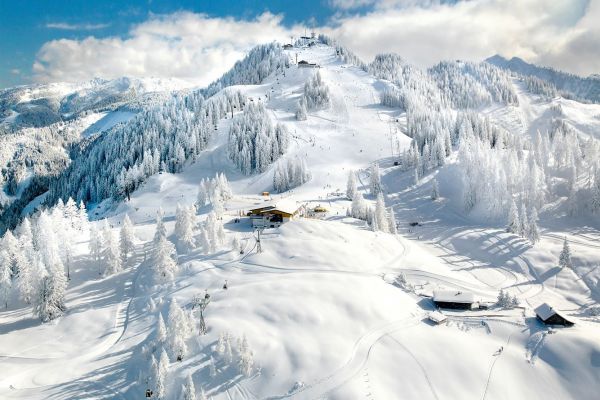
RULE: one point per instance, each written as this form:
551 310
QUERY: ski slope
318 304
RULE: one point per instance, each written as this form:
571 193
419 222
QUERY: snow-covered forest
254 143
285 231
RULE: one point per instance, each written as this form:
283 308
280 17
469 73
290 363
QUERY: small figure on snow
225 285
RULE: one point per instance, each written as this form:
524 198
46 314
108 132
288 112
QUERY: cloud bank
197 48
184 45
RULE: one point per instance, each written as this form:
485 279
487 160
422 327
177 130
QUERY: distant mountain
569 85
44 104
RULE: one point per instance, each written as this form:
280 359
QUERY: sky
196 41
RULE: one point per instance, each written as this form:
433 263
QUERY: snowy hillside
406 182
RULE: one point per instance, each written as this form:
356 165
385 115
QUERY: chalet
287 46
272 216
306 64
454 299
550 316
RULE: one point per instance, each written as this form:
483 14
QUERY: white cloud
183 45
561 33
75 27
197 48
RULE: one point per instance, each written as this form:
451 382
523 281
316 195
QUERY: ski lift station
273 215
454 299
550 316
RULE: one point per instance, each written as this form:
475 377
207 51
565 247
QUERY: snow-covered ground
318 305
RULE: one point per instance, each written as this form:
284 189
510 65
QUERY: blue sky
44 41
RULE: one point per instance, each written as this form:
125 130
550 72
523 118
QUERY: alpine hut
454 299
550 316
273 215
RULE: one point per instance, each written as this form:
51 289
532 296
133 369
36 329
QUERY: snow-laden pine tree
161 230
380 216
514 222
96 243
188 390
5 278
184 226
236 244
218 207
160 340
392 225
533 232
178 331
71 213
82 217
375 180
127 239
523 221
163 369
153 374
49 301
246 358
205 240
351 188
202 196
359 207
164 264
111 255
435 191
564 259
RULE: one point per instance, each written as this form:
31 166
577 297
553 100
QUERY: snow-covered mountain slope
574 86
40 124
322 307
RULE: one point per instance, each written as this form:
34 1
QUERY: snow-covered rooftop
436 317
453 296
546 311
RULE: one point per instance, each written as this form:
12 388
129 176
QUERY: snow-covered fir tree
351 188
435 191
111 255
96 243
564 259
5 278
375 180
188 392
380 217
359 207
392 224
178 331
185 220
514 223
127 239
161 230
246 358
533 232
49 300
164 264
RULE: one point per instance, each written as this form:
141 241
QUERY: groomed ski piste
318 304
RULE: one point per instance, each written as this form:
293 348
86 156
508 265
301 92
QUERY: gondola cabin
454 299
550 316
